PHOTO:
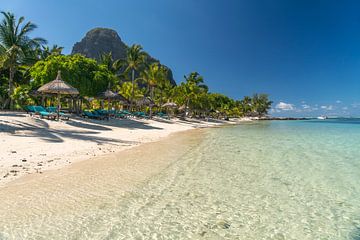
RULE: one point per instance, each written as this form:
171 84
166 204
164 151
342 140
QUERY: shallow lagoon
260 180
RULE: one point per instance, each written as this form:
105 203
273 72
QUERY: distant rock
104 40
98 41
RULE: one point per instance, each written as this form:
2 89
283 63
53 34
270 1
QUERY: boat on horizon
322 117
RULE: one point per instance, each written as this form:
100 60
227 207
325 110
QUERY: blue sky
304 53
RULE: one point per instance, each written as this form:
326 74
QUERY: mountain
104 40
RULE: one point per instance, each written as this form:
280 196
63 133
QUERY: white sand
32 145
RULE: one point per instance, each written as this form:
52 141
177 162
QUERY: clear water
263 180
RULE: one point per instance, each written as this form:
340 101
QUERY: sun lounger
30 110
93 115
61 114
141 115
41 111
163 115
104 114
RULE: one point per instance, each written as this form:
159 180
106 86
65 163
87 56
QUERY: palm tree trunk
132 91
11 87
151 96
161 100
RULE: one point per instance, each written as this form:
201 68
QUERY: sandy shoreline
31 145
43 206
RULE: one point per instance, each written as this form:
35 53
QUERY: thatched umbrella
183 107
58 86
145 101
122 99
110 95
148 102
170 105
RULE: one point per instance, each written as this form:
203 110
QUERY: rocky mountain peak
104 40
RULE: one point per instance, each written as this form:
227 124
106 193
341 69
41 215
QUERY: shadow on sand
87 129
40 129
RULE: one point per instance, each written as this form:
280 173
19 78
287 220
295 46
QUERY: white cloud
355 105
338 101
305 106
330 107
285 106
345 108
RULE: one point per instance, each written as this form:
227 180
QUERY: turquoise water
260 180
266 180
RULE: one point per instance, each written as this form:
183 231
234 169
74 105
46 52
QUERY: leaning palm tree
135 59
16 47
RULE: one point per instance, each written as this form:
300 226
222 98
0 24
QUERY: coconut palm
16 47
135 60
46 51
112 65
192 88
246 105
154 75
260 104
126 90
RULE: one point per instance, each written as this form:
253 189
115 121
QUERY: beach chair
41 111
62 115
101 114
105 114
141 115
126 113
30 110
163 115
121 115
92 115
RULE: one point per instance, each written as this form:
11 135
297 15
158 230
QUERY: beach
31 145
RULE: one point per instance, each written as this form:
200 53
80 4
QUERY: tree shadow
13 126
129 124
86 125
162 120
40 129
12 114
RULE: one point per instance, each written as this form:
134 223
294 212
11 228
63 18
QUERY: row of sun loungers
99 114
48 113
106 115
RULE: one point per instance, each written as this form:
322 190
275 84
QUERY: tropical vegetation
26 63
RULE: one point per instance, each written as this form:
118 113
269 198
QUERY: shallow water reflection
266 180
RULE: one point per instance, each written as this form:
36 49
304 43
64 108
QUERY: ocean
256 180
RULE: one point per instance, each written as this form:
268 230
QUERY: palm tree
192 88
46 51
16 47
112 65
153 75
260 104
246 105
135 60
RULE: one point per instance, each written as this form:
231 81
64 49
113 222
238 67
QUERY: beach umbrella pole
58 108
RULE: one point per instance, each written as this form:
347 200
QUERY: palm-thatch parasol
58 86
170 105
110 95
145 101
183 107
